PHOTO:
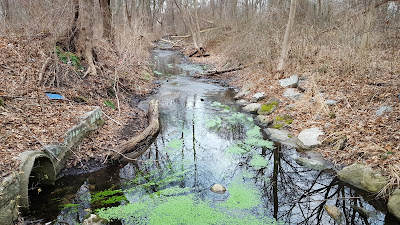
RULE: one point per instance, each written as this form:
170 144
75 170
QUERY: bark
105 7
85 37
136 146
370 18
286 39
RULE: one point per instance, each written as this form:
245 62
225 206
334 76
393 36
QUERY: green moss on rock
281 121
268 108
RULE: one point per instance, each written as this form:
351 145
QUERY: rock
382 110
281 121
292 94
289 82
363 177
334 212
263 120
268 108
308 138
331 102
242 93
94 220
394 204
252 107
258 96
282 136
218 188
242 102
311 163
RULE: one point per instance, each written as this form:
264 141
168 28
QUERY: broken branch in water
143 139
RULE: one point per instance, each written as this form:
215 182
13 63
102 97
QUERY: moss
2 102
281 121
269 107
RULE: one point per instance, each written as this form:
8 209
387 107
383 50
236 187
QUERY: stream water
205 139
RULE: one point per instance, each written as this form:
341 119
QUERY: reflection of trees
297 195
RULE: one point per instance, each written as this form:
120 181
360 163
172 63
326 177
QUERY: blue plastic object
54 95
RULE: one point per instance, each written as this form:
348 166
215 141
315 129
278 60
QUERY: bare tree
105 7
84 43
286 39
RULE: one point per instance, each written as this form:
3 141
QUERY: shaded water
205 139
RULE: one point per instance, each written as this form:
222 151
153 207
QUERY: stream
205 139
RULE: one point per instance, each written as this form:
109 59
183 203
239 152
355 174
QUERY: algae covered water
204 139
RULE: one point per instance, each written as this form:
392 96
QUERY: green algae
175 144
242 196
235 149
258 162
214 122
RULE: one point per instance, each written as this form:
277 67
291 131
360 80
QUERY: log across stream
205 139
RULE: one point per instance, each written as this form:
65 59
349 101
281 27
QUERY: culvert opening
41 180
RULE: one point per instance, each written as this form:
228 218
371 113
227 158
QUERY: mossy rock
268 108
282 121
2 102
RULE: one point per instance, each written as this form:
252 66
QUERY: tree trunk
368 25
105 7
84 44
286 38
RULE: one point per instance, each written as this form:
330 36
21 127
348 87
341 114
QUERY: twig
113 119
126 157
42 71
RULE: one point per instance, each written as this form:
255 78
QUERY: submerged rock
292 94
242 93
242 102
382 110
218 188
334 212
292 81
311 163
308 138
252 107
394 204
94 220
363 177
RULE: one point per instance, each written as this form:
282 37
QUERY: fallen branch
231 70
144 139
189 35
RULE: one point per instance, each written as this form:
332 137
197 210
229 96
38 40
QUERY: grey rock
382 110
311 163
282 136
258 96
394 204
292 81
263 120
363 177
331 102
308 138
292 94
242 93
252 107
218 188
242 102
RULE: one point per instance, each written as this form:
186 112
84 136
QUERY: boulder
252 107
282 136
308 138
218 188
363 177
292 81
334 212
242 102
258 96
382 110
242 93
311 163
263 120
292 94
394 204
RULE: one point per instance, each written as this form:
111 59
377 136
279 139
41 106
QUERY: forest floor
29 119
371 139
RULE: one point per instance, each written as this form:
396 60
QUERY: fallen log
136 146
212 73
